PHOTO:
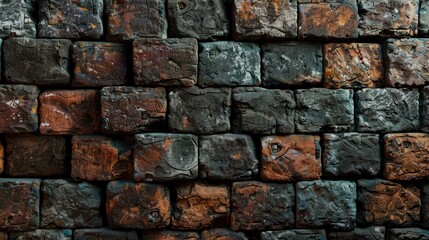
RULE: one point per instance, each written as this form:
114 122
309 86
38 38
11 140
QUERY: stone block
424 109
222 233
368 233
165 62
407 233
424 18
104 234
170 235
424 212
45 234
18 18
301 234
258 206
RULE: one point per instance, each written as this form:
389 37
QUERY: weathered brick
165 62
381 202
17 18
301 234
227 157
165 157
387 110
43 62
291 64
19 204
99 64
222 234
320 109
45 234
265 19
351 155
332 19
199 110
170 235
266 111
424 216
228 63
69 112
104 234
200 206
201 19
388 18
368 233
128 20
290 158
137 205
2 153
424 18
424 109
132 109
18 106
70 19
66 204
35 155
257 206
407 233
353 65
324 203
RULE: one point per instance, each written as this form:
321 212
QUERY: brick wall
213 119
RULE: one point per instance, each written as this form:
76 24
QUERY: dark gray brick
368 233
301 234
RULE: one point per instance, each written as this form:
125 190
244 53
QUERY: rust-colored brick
170 235
65 112
222 234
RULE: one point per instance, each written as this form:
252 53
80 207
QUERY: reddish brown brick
3 236
45 234
170 235
104 234
69 112
222 234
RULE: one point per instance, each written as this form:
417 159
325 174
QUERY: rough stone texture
266 111
103 234
165 62
353 65
201 19
424 216
43 234
19 204
165 157
406 62
381 202
99 64
351 155
35 155
133 19
290 158
301 234
170 235
132 109
320 109
368 233
388 18
332 19
66 204
200 206
70 19
18 107
42 62
330 204
291 64
222 234
407 233
265 19
137 205
198 110
257 206
227 157
17 18
65 112
228 63
387 110
424 18
424 109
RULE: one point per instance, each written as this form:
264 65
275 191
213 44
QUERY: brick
331 19
320 109
258 206
104 234
407 233
387 110
132 109
290 158
406 62
424 109
381 202
302 234
227 157
2 156
222 233
42 62
424 216
351 155
423 28
291 64
198 110
388 18
35 155
137 205
70 19
327 204
353 65
170 235
99 64
368 233
165 157
19 204
265 111
265 19
17 18
65 112
228 63
18 106
201 206
45 234
165 62
128 20
201 19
